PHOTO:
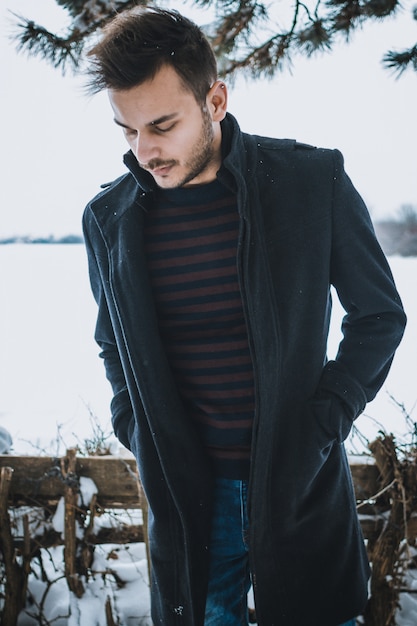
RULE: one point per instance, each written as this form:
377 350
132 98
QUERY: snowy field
52 382
52 379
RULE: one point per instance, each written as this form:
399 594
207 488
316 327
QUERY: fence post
15 585
385 552
71 491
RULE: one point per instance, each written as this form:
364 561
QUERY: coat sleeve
121 407
375 320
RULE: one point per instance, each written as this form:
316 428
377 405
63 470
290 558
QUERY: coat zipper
242 267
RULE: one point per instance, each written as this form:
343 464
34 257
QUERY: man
211 262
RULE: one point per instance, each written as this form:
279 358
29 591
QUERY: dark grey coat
303 228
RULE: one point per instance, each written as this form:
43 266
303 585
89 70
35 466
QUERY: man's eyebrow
159 120
116 121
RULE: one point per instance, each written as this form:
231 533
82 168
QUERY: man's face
170 134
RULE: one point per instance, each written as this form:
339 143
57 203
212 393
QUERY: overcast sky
57 146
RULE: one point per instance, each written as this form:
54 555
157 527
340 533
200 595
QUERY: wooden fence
28 481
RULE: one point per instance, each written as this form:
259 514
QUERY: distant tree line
397 235
50 239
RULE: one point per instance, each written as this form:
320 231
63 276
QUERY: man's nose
145 148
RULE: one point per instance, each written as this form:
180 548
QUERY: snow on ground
52 383
112 564
52 380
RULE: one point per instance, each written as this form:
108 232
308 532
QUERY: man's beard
201 154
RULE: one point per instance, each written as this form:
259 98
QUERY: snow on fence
60 500
77 490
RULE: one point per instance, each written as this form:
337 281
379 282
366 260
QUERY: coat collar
234 155
137 188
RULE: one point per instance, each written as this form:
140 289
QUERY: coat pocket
333 418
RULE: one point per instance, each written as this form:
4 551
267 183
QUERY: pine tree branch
62 51
38 41
243 35
400 61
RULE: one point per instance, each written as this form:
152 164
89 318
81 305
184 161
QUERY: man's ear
216 101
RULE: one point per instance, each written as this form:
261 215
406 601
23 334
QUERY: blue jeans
229 580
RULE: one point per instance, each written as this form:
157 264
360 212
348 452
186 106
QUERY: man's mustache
155 164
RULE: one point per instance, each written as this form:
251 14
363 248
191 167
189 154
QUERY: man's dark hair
137 43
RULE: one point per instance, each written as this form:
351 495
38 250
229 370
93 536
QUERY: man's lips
161 171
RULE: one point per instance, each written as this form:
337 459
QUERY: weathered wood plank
365 479
366 482
39 480
122 534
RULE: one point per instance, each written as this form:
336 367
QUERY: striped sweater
191 238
